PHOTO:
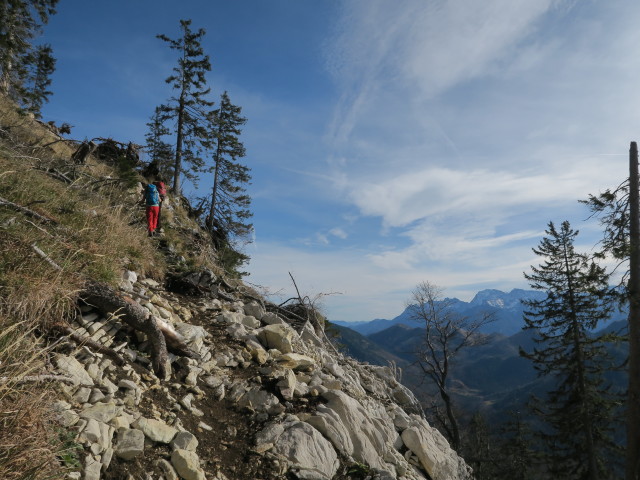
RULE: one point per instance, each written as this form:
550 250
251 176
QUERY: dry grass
96 229
26 447
94 233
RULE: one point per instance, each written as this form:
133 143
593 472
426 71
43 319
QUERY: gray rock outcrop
304 409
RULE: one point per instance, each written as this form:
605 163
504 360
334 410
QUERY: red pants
152 218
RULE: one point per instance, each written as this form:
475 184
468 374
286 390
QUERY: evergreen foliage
40 65
478 449
516 457
229 203
161 154
186 108
25 70
578 413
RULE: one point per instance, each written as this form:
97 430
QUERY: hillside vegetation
55 234
124 356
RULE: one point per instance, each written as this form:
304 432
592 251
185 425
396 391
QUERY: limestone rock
167 470
187 464
287 384
271 318
356 431
156 430
260 401
102 412
130 444
433 451
91 432
72 368
185 441
250 321
92 467
230 317
277 336
296 361
191 333
64 415
254 309
309 454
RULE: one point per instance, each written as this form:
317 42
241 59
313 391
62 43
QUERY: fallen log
107 300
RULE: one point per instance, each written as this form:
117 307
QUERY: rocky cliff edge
262 400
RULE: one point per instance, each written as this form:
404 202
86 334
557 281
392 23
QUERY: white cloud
339 233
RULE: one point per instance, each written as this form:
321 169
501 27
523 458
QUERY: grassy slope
96 229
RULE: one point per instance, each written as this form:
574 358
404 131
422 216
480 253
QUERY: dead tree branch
30 213
46 257
37 378
107 300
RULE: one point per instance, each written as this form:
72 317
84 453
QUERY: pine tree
229 203
41 65
577 413
20 22
516 456
478 449
187 107
161 154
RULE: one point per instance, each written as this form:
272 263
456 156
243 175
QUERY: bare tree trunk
214 192
633 397
107 300
177 167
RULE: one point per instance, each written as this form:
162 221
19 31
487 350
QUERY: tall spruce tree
478 448
578 411
40 65
161 154
516 456
187 106
229 202
20 62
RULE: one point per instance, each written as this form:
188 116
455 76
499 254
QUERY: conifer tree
228 203
20 22
161 154
516 456
577 412
478 449
41 65
187 106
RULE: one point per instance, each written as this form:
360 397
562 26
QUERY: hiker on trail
152 201
162 191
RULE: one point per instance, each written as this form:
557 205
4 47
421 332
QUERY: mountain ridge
506 308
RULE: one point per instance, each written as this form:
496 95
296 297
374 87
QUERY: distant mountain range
492 378
506 309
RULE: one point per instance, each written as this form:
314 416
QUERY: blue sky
390 142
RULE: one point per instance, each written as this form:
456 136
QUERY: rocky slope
262 394
263 400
